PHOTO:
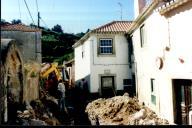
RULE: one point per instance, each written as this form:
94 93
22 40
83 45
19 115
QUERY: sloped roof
18 27
114 26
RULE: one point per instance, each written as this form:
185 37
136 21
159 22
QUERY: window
130 50
153 96
142 35
126 81
107 81
83 51
105 46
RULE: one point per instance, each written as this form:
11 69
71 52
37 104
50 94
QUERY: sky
73 15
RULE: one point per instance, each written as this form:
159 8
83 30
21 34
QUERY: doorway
182 100
107 86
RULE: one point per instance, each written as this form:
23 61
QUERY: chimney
138 6
141 4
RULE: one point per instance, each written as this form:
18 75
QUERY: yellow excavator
51 68
51 73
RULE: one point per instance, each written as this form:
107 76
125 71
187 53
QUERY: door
107 86
183 100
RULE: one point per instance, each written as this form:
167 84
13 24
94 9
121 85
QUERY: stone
35 122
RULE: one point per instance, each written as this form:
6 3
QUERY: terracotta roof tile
18 27
115 26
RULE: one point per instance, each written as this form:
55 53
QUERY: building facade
162 50
27 38
101 57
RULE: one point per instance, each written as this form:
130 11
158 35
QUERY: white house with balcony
161 37
101 57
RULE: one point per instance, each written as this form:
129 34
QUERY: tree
57 28
3 22
14 21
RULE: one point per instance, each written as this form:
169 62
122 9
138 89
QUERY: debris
121 110
34 122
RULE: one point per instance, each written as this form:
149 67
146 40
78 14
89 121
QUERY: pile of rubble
40 112
121 110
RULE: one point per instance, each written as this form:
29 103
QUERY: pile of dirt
121 110
42 111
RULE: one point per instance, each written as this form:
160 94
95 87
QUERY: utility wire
44 22
29 12
37 6
38 15
121 8
19 10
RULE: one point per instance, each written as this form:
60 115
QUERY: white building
161 36
101 57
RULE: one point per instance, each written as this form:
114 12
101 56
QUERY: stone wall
17 78
29 43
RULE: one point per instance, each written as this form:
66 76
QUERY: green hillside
57 46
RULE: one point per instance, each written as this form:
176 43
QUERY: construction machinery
49 69
50 75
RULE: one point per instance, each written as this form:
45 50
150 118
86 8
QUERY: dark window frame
127 82
142 35
153 92
101 52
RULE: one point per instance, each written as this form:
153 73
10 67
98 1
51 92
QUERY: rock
19 112
24 122
150 122
126 94
139 115
52 121
45 116
26 112
117 119
28 106
34 122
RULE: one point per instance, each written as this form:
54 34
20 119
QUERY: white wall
174 32
82 65
117 65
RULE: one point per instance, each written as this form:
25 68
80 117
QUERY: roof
114 26
172 4
18 27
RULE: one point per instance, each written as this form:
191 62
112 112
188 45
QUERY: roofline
33 29
112 22
87 35
141 18
70 61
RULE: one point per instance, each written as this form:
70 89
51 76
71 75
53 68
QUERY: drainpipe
92 50
136 79
167 48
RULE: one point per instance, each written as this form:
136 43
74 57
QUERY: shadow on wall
78 82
